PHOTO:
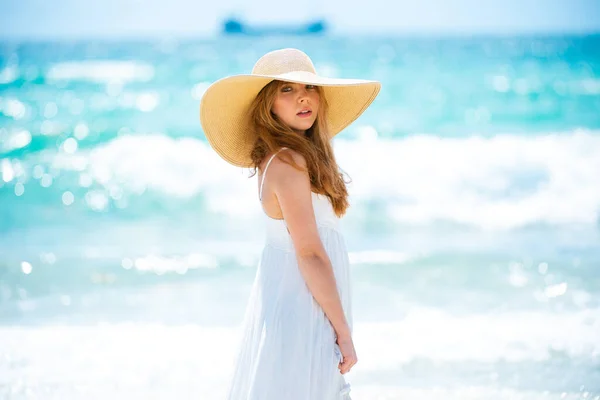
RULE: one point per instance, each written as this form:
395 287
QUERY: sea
128 247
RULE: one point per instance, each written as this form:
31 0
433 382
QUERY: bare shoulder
292 189
282 173
286 153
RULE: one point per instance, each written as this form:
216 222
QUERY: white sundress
288 347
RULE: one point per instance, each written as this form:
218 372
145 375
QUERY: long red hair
271 135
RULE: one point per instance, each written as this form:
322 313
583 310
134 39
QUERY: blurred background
128 248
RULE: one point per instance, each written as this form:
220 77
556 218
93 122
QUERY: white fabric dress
288 348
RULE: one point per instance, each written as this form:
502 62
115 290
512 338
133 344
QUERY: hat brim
225 104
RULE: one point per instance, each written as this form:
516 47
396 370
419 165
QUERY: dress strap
262 182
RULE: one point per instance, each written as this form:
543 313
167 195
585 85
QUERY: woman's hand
348 353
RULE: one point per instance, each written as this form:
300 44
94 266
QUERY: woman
297 331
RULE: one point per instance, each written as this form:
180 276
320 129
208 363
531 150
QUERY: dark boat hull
237 27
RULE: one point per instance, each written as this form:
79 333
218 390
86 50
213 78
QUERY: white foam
164 356
502 182
148 360
181 168
374 257
9 74
103 71
513 337
494 183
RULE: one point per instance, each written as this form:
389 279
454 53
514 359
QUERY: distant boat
233 26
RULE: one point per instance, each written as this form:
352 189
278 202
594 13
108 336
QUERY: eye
286 88
311 87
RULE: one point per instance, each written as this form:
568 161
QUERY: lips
305 112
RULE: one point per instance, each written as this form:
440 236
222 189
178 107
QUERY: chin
308 126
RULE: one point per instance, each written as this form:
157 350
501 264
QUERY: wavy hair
272 134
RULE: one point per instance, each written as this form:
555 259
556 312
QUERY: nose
303 95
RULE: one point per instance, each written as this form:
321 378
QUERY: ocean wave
498 183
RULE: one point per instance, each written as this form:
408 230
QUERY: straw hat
225 104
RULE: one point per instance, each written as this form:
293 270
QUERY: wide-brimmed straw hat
225 104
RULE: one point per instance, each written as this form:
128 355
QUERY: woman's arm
293 192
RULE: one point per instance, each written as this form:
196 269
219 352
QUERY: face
296 105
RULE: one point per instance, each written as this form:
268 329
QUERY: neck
300 132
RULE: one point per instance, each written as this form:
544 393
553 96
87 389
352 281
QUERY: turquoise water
127 247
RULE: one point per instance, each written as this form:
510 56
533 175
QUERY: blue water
127 247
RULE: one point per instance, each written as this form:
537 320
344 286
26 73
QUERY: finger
345 367
347 364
